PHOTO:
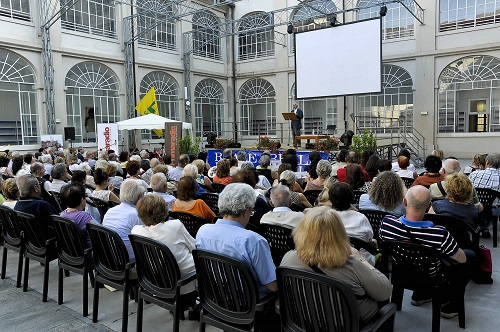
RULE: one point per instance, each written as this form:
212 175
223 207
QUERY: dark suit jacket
298 123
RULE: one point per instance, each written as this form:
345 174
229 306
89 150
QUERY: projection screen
341 60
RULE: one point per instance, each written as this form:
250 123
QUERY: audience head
4 160
371 165
387 191
341 156
58 171
280 196
287 178
403 162
355 176
479 160
133 167
167 159
323 196
247 165
321 240
135 158
130 191
313 174
100 177
28 186
405 153
493 160
159 182
183 160
313 155
417 199
292 160
152 209
57 160
227 153
438 153
73 195
112 156
71 159
124 155
186 189
433 164
247 176
79 176
47 159
265 161
200 165
111 170
284 167
144 154
190 170
161 169
366 155
10 189
223 168
237 199
203 156
323 169
153 162
85 167
384 165
451 166
458 188
17 164
341 196
352 158
241 156
37 169
28 158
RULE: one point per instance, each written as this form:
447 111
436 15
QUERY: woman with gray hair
58 175
123 217
192 171
323 169
288 179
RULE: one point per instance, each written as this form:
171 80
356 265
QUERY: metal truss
50 12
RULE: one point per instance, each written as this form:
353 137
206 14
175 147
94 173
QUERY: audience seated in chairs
114 179
356 224
200 178
175 173
192 171
123 217
488 178
222 174
288 179
386 194
355 178
404 168
281 215
38 170
160 187
264 167
340 162
30 200
458 201
134 170
412 228
186 200
478 163
404 153
4 162
323 197
58 175
103 190
351 158
149 171
371 166
153 211
10 192
323 169
433 165
322 245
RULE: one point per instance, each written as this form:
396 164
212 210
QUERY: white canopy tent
150 121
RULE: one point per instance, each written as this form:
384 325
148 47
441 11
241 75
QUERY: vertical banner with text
173 133
107 136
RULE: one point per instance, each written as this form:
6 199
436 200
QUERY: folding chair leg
60 287
397 296
4 263
45 290
26 274
85 293
95 306
125 309
177 316
140 307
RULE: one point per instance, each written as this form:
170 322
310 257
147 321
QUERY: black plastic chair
360 244
418 267
312 195
57 198
466 236
487 197
160 282
297 207
408 182
40 246
218 187
13 240
212 200
357 196
312 302
228 293
280 241
190 221
75 255
103 206
112 267
375 218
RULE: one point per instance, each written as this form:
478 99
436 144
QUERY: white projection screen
342 60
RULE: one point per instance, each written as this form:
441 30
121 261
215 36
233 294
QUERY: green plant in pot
363 142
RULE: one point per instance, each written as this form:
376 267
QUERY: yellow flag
148 105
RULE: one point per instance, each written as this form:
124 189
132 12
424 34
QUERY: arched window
397 23
209 106
257 108
18 106
387 111
91 97
256 36
461 14
318 113
206 42
96 17
153 27
309 15
19 9
167 96
469 95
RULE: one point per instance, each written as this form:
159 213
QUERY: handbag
482 275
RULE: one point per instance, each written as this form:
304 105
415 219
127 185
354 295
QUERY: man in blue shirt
229 237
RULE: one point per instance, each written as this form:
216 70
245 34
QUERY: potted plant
187 146
329 144
363 142
265 142
223 143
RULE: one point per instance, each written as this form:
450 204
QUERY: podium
289 116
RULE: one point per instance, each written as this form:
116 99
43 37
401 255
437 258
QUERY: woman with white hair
58 175
89 180
192 171
288 179
47 163
123 217
323 169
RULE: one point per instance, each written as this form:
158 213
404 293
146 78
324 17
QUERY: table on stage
309 138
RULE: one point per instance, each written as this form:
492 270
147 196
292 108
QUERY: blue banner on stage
254 155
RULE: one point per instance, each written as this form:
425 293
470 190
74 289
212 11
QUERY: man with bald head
412 228
438 190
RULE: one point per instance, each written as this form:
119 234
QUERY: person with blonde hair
153 212
438 153
386 194
322 245
10 192
323 169
323 197
458 200
112 171
288 179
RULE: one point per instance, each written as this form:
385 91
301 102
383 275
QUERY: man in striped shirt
411 228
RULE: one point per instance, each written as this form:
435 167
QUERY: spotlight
289 29
333 20
383 10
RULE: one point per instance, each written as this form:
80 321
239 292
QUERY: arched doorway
257 108
209 107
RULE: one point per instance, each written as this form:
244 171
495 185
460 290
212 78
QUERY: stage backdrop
107 137
254 155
